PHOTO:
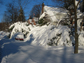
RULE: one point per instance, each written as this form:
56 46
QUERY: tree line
13 13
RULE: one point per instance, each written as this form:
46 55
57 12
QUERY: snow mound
43 35
19 27
47 35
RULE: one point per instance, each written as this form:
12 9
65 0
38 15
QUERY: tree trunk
76 34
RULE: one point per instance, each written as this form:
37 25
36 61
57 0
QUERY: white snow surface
35 48
20 36
41 35
19 27
55 14
13 51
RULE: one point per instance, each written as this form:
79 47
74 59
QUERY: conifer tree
21 16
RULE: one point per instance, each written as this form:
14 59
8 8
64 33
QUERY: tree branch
78 2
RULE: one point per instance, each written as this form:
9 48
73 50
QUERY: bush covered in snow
43 21
46 35
19 27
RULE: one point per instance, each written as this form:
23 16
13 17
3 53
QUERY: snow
58 14
21 27
23 52
41 35
35 47
55 14
20 35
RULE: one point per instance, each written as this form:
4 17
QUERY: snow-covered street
14 51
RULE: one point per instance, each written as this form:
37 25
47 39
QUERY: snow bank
2 34
46 35
41 35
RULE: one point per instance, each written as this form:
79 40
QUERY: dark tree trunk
76 34
83 6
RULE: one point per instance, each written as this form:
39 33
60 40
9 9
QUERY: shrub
42 22
10 29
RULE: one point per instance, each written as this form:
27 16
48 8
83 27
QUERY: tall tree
76 34
6 18
11 13
64 3
16 14
36 10
21 16
75 17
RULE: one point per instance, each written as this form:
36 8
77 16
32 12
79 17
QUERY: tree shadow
7 47
31 39
11 46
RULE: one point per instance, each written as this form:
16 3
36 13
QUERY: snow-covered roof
55 14
35 18
55 9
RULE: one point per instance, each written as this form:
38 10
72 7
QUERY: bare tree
75 17
64 3
21 16
36 10
23 3
11 13
76 34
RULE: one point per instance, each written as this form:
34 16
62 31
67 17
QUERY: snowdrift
42 35
45 35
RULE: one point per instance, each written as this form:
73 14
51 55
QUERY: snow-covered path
22 52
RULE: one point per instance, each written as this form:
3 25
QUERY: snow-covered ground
42 35
46 34
41 44
31 51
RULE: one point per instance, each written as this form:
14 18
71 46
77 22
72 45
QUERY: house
56 15
52 13
33 20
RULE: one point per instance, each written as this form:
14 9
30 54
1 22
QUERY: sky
28 7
